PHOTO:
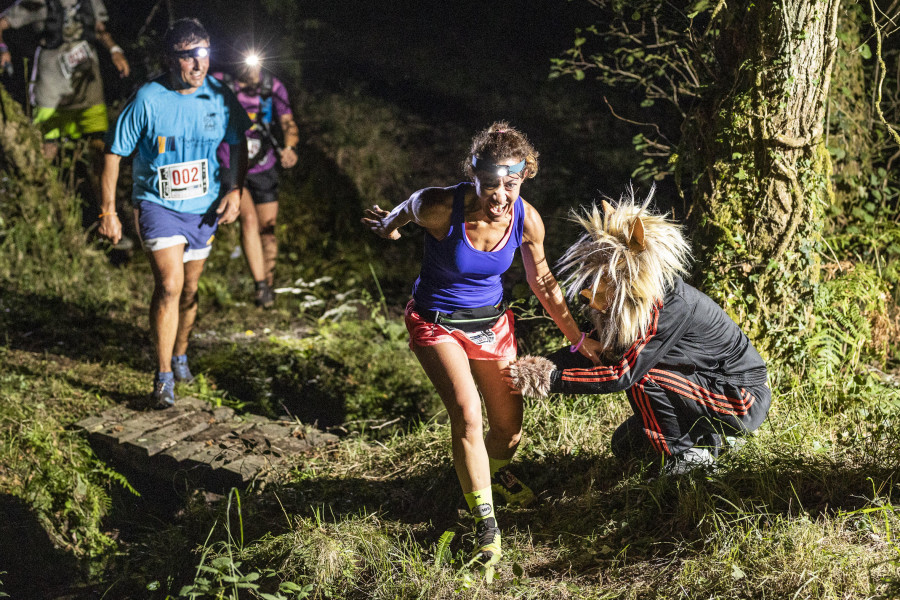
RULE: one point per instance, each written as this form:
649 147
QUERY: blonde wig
622 265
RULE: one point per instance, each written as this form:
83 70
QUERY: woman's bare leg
448 369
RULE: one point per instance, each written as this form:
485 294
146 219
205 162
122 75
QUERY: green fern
843 309
115 476
442 554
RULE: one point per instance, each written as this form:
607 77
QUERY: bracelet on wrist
106 214
117 49
575 347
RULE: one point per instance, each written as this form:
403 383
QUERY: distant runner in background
67 91
176 124
266 100
460 328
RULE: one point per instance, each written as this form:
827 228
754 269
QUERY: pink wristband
575 347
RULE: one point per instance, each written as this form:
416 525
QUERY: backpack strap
266 103
52 36
88 20
229 80
266 84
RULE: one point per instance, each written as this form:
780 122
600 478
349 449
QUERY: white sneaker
689 460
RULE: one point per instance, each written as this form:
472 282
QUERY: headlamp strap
198 52
479 164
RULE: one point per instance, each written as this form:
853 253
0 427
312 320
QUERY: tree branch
654 125
882 69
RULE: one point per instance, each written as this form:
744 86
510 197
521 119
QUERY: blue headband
479 164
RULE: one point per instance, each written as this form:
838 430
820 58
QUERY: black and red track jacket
689 333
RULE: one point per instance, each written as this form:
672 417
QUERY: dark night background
464 64
445 69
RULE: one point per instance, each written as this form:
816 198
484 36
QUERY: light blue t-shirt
176 137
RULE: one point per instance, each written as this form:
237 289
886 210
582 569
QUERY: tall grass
800 511
806 509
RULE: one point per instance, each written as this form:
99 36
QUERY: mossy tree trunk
753 161
735 95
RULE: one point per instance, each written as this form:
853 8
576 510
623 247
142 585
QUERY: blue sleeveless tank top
455 275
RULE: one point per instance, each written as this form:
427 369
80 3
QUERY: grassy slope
804 511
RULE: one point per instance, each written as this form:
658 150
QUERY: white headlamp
479 164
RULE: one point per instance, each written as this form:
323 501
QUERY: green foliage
862 219
846 310
222 576
54 471
659 51
43 247
365 140
351 368
759 252
442 553
43 252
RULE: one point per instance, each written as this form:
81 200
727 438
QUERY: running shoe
163 395
515 493
487 548
265 297
180 369
687 461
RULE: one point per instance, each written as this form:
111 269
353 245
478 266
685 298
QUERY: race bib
77 57
183 181
482 337
254 145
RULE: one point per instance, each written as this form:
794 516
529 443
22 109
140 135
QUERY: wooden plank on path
247 467
210 453
256 440
116 414
157 440
115 434
230 429
209 446
179 453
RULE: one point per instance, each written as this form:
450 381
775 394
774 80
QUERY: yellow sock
495 464
481 504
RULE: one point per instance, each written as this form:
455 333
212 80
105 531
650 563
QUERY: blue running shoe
181 370
163 395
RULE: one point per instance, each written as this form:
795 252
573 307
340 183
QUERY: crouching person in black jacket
692 376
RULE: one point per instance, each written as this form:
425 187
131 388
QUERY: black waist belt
466 319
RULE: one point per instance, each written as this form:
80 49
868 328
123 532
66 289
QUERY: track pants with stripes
676 411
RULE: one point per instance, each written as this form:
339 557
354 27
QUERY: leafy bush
54 471
352 367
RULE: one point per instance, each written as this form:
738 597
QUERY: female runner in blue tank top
472 232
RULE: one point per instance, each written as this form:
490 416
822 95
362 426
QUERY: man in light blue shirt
173 126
